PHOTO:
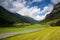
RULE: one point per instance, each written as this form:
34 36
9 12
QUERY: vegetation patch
19 28
46 34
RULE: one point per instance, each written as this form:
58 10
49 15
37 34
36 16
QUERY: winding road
20 32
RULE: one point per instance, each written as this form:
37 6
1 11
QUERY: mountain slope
54 17
8 18
55 14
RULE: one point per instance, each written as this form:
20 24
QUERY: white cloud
13 6
37 0
17 6
55 1
29 11
20 8
30 2
45 11
35 11
39 18
48 8
1 1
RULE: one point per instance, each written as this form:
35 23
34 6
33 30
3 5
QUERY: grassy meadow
46 34
16 29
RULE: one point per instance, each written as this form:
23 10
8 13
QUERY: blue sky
36 9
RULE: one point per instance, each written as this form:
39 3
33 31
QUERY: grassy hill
8 18
54 17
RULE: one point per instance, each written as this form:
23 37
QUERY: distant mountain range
7 18
54 17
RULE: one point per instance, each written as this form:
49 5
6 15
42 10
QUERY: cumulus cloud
1 1
13 6
29 2
42 14
55 1
6 4
37 0
19 7
29 11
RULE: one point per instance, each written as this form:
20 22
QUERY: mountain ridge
54 17
12 18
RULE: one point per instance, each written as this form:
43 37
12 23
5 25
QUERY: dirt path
21 32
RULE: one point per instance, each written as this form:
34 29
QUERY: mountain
54 17
8 18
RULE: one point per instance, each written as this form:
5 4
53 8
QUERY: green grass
52 21
46 34
16 29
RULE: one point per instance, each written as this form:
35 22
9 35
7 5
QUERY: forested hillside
8 18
